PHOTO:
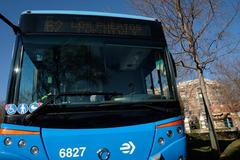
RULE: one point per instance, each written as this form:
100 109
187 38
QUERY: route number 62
72 152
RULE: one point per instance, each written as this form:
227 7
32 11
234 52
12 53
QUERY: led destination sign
83 25
96 27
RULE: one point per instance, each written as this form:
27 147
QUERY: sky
13 8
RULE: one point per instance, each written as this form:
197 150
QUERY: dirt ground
198 147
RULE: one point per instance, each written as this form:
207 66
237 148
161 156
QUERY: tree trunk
206 102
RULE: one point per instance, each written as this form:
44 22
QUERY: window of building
228 122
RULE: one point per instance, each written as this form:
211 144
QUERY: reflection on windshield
60 65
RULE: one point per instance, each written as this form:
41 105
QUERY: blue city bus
91 86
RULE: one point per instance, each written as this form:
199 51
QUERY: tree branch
184 65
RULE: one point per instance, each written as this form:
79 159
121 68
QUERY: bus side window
157 86
156 81
149 85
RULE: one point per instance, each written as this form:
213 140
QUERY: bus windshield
72 64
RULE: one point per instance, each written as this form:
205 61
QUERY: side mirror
15 28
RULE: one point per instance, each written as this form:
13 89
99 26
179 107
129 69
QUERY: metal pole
212 133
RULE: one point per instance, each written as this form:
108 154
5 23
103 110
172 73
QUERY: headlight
169 133
8 141
21 143
179 130
161 141
34 150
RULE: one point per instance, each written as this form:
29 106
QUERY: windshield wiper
86 93
82 93
141 104
51 98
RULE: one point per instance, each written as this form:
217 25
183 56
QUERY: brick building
225 119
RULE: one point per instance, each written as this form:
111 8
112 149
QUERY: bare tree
229 77
196 29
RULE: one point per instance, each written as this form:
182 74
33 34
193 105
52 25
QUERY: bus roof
89 13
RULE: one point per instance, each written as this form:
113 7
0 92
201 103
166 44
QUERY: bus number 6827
71 152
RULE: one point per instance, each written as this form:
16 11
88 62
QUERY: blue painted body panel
178 140
11 156
143 136
90 13
13 151
172 151
94 139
